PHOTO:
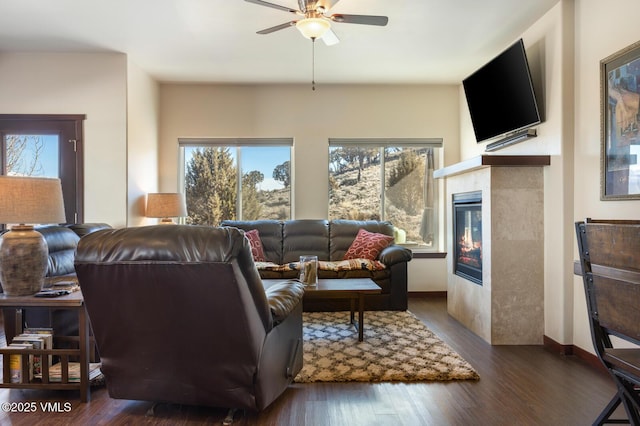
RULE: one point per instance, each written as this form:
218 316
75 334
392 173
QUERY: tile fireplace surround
508 308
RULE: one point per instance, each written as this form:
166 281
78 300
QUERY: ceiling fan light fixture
313 28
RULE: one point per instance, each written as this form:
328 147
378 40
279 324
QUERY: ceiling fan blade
275 6
361 19
330 38
277 28
302 4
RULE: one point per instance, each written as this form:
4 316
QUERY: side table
73 301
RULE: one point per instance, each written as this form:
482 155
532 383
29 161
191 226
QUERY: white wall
91 84
602 29
550 58
142 136
427 275
311 118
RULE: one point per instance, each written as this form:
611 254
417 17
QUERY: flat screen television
500 95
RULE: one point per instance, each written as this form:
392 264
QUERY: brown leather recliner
180 315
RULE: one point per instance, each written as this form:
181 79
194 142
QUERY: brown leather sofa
180 315
286 241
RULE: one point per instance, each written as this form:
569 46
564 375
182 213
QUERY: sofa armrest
283 297
395 254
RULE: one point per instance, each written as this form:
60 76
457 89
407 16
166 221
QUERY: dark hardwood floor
519 385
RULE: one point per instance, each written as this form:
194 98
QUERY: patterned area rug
397 347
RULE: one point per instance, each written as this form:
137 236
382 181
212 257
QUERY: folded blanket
341 265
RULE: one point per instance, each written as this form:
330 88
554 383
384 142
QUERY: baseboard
555 347
427 294
572 350
589 358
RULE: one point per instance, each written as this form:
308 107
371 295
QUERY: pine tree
210 186
251 205
282 173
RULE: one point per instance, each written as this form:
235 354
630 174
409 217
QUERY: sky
50 161
47 158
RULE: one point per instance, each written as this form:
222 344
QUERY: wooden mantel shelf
493 160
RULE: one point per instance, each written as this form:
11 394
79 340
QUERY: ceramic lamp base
23 261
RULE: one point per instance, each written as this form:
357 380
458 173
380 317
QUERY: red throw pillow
367 245
256 245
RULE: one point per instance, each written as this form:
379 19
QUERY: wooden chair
610 259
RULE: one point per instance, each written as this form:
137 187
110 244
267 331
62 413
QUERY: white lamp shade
313 28
166 205
31 200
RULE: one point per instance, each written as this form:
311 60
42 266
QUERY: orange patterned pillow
367 245
256 245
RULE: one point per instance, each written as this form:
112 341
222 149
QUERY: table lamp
166 206
25 201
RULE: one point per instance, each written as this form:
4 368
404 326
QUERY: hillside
351 199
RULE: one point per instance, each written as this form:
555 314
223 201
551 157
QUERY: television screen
500 95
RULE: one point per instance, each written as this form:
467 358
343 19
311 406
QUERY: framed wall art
620 122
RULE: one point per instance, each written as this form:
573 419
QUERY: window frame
69 127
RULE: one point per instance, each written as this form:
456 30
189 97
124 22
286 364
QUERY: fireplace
467 233
508 308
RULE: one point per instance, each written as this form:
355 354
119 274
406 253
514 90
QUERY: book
37 342
46 342
46 333
55 372
16 362
38 330
46 337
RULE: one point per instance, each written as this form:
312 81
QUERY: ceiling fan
316 24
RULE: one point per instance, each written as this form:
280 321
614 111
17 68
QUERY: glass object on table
309 270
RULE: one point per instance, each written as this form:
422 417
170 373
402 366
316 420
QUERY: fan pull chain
313 63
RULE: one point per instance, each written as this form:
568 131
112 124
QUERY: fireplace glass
467 229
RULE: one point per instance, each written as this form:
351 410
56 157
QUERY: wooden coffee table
345 288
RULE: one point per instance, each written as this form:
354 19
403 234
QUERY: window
46 146
236 179
388 180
